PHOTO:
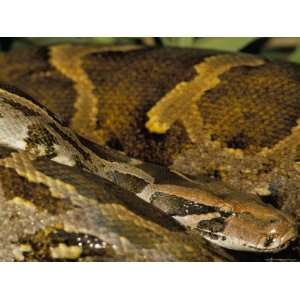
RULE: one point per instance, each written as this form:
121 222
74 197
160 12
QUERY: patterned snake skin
226 121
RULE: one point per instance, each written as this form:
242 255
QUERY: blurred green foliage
273 48
221 43
295 56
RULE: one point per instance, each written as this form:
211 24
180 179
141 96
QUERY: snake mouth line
230 242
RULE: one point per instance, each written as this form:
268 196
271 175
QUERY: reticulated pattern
252 108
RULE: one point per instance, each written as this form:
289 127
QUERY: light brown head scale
228 218
251 226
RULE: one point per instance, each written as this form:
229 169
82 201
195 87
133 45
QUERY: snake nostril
269 240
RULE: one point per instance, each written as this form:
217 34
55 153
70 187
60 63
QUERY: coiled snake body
67 197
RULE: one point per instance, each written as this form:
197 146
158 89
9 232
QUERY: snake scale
128 153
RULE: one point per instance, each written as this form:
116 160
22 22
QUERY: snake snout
278 238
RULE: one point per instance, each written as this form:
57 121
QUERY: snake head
250 226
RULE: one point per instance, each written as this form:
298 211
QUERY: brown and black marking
178 206
163 175
42 245
37 194
88 185
39 135
21 93
129 182
214 225
25 110
104 152
71 141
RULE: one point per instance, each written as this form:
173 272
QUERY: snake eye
273 221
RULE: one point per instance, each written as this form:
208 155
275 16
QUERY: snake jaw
249 232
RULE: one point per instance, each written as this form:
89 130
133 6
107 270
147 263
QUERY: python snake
65 196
